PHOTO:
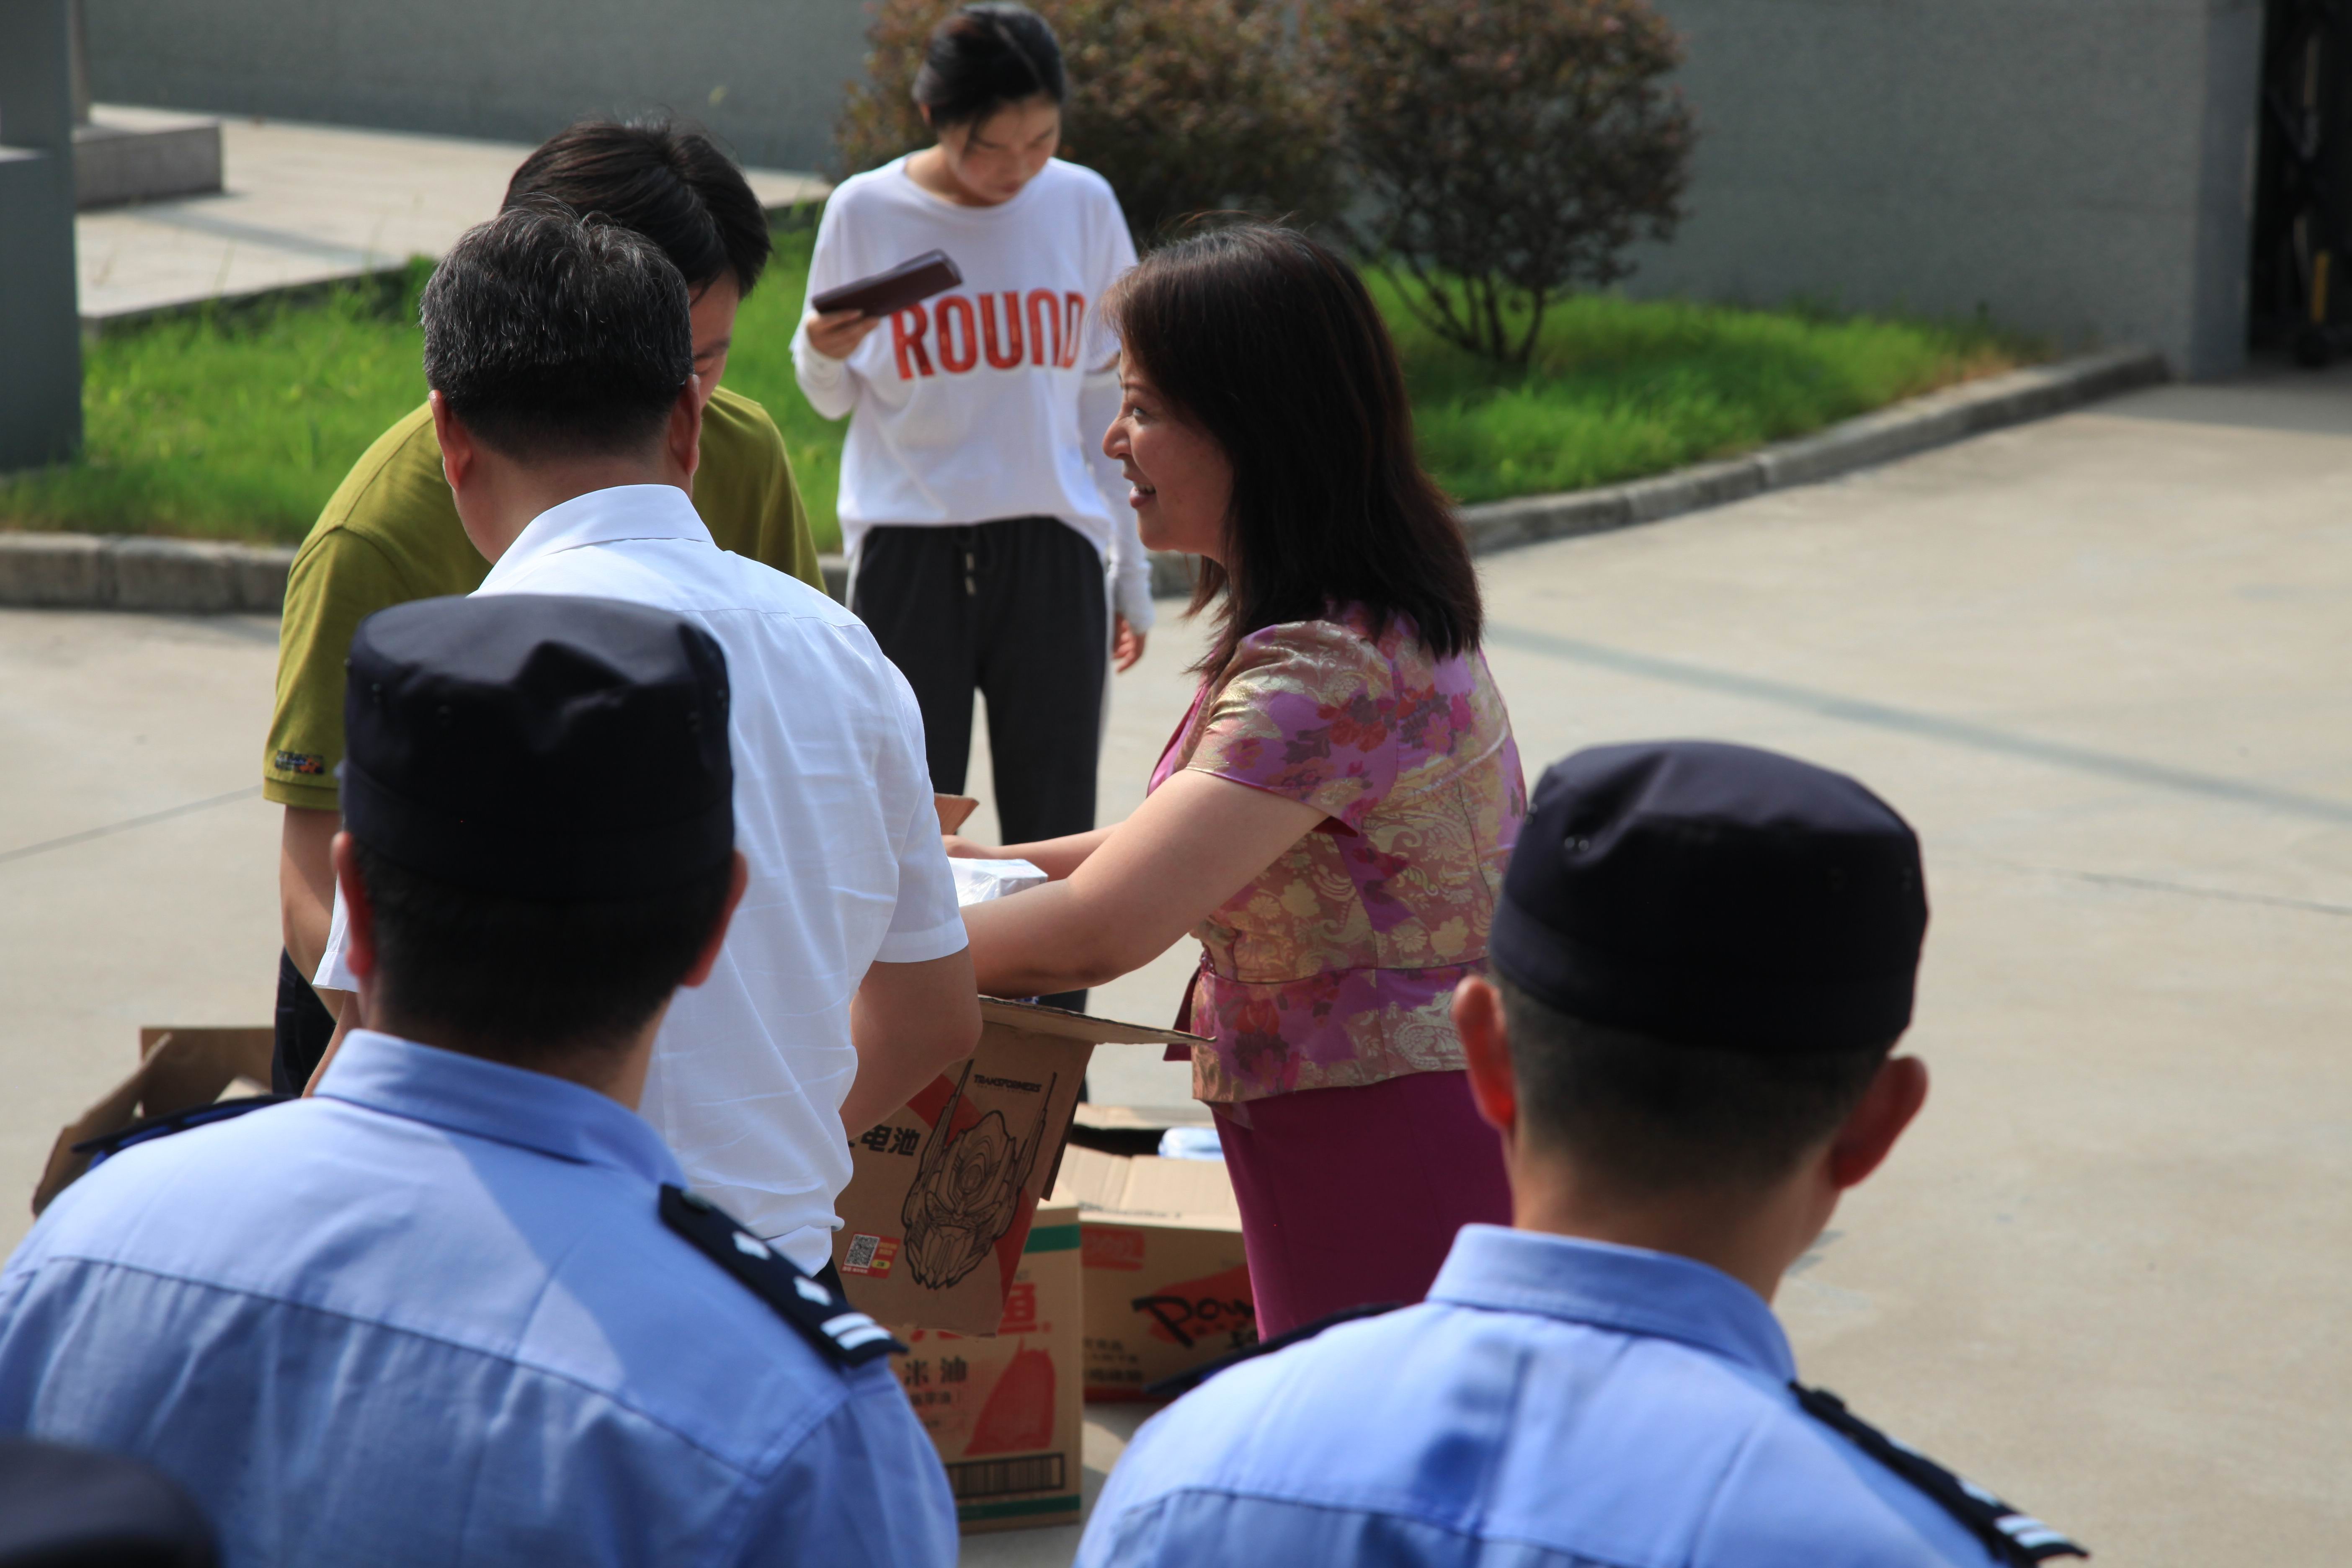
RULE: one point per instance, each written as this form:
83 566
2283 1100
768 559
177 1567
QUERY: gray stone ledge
178 576
83 571
61 569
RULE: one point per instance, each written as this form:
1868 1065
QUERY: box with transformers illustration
943 1193
1005 1411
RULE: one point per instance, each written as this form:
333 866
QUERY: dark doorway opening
2301 277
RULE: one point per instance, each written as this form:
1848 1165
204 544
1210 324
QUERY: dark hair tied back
1270 344
984 58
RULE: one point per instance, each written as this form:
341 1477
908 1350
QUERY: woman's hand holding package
1057 857
1192 844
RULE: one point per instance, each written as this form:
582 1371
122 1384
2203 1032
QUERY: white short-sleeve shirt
832 813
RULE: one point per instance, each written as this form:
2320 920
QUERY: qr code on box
869 1255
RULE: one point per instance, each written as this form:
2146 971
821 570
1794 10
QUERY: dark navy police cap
1714 895
63 1505
538 745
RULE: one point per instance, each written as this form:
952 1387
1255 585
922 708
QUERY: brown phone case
884 292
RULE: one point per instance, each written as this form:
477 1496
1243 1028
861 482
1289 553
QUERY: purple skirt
1351 1197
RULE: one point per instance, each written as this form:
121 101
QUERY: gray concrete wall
2079 168
767 75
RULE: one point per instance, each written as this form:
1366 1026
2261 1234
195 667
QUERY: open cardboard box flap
179 1069
953 809
1036 1018
942 1194
1196 1191
1167 1276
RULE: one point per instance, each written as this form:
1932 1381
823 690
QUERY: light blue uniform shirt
433 1318
1554 1402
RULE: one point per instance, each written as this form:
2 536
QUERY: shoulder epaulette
2013 1537
841 1334
147 1129
1184 1382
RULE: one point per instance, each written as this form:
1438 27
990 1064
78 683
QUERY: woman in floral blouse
1333 816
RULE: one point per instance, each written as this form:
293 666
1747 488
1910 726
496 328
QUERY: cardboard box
1167 1284
941 1195
1004 1412
953 809
179 1069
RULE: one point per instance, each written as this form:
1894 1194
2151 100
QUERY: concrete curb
82 570
93 572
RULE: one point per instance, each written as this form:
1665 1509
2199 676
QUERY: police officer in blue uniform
1702 960
456 1308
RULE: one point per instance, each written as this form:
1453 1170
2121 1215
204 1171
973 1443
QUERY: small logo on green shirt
299 762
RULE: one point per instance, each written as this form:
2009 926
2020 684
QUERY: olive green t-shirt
390 533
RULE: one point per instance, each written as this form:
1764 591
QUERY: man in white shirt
560 353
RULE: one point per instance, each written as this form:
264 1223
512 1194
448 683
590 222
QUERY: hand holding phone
837 334
839 319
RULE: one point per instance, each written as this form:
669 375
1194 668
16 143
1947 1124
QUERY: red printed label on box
1020 1310
1113 1246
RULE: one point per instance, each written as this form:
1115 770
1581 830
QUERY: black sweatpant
1017 610
304 1028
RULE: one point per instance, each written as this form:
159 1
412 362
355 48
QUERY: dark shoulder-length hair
1270 344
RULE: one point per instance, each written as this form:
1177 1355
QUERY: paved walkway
306 204
2101 662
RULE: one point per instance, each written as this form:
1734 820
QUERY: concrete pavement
306 205
2104 663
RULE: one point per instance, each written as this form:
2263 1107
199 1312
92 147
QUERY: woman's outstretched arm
1195 843
1057 857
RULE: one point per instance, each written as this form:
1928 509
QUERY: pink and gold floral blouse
1336 965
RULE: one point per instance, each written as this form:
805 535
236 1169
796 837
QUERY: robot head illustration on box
967 1191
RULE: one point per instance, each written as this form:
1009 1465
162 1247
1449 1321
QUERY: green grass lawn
1620 388
239 424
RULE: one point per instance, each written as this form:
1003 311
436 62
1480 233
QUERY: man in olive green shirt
390 533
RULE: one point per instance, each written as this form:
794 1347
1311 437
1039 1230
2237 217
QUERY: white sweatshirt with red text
990 400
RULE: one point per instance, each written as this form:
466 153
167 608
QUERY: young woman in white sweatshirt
980 515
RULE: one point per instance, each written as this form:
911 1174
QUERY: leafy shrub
1184 106
1504 150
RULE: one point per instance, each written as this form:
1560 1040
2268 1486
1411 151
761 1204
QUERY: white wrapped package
978 882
